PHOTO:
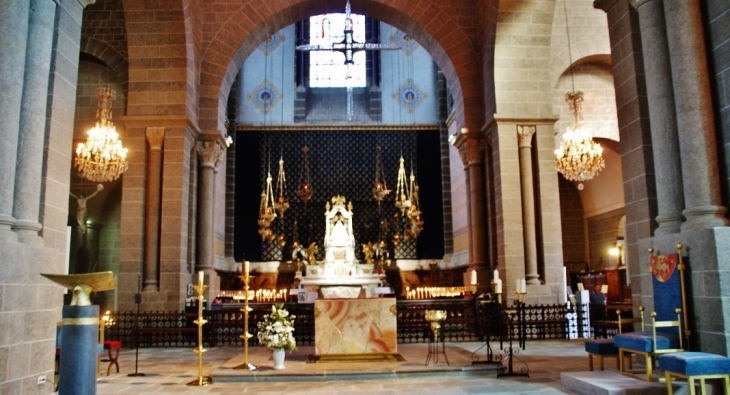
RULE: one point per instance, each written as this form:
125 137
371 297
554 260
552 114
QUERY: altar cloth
355 327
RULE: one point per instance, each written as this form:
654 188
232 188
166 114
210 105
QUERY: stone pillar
662 116
524 136
471 151
210 154
155 139
13 38
31 136
695 121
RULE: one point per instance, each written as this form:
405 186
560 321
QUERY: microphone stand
137 301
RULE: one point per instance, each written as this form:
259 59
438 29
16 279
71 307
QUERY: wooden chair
667 334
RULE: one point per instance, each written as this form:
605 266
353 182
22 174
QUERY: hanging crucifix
348 46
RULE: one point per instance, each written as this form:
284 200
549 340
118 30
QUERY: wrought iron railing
467 320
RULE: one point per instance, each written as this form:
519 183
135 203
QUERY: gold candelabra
199 289
246 278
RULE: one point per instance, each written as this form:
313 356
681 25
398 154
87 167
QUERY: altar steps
411 362
611 382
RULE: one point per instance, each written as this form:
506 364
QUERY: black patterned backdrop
341 163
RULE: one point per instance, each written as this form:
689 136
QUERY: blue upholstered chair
667 334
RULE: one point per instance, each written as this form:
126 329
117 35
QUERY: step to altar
411 362
611 382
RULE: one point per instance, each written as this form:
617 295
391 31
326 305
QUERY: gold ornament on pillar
578 158
102 158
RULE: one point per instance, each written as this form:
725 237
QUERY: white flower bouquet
275 331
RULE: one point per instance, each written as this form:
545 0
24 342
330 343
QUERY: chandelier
102 158
267 213
414 212
304 192
402 202
281 205
380 189
578 158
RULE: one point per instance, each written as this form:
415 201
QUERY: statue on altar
340 275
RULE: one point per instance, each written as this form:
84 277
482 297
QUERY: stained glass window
327 69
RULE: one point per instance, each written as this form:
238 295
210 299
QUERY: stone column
13 38
524 136
695 120
471 151
31 136
662 116
210 154
155 139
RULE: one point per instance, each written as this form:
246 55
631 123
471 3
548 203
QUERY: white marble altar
340 275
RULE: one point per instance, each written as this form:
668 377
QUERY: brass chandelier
102 158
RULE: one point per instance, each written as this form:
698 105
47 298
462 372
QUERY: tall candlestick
474 277
201 275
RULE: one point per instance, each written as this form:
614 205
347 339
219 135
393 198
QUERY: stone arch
112 58
432 23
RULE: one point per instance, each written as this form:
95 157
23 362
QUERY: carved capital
155 137
524 135
471 151
210 153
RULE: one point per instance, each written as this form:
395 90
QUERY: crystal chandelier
380 189
578 158
102 158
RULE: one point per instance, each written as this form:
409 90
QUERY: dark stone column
155 139
210 153
662 117
695 121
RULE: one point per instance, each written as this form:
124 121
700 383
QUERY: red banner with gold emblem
663 266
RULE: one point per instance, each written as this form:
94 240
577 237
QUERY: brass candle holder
521 296
201 381
435 317
245 336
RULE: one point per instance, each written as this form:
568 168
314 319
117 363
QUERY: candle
473 277
201 274
499 286
246 266
523 286
496 274
518 286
